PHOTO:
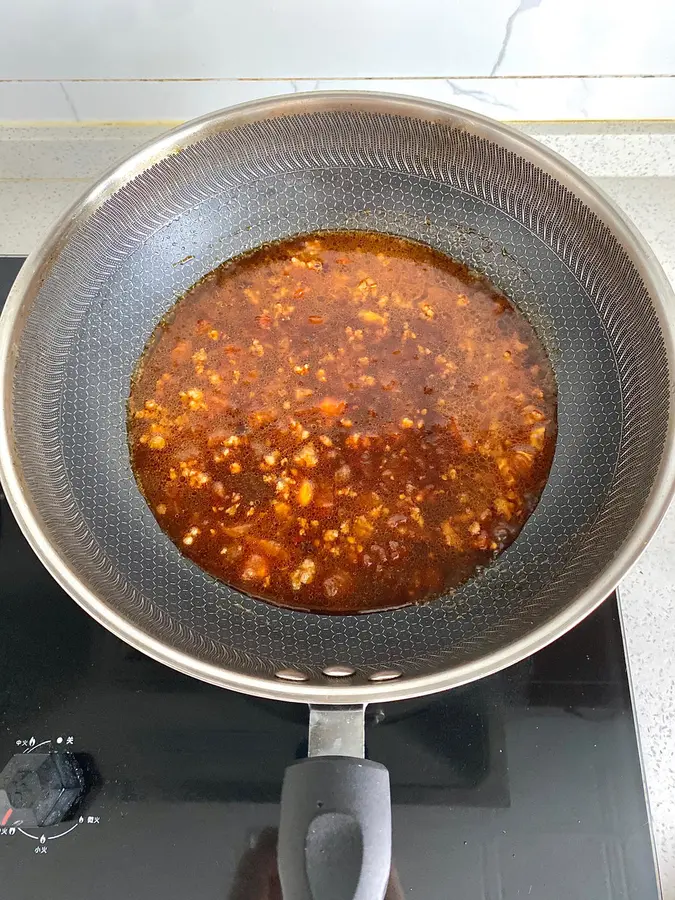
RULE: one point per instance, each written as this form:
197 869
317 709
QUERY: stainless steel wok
88 298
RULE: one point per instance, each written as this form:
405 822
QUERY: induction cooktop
124 779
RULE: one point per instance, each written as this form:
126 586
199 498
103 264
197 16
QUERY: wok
87 300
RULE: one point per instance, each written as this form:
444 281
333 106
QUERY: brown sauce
343 422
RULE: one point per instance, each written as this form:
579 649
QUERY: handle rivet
339 671
291 675
385 675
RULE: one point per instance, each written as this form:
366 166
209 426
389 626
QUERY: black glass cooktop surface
524 785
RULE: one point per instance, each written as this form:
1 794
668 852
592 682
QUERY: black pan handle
335 830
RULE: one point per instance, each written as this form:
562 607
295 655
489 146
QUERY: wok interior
120 270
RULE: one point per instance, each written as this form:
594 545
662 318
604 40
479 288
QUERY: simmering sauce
342 422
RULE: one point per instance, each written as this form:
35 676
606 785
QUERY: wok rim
37 265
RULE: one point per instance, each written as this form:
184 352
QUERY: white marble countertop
43 168
121 60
